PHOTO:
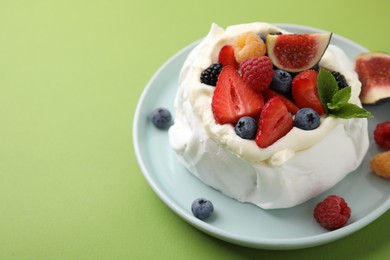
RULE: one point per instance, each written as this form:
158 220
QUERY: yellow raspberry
248 45
380 164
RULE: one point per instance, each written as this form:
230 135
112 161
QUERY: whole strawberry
332 213
257 72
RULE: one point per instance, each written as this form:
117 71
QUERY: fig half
373 69
297 52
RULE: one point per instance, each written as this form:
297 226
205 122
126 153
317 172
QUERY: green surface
71 73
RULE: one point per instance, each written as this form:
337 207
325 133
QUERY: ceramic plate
242 223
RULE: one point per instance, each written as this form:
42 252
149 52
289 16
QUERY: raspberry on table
332 213
257 72
382 134
248 45
380 164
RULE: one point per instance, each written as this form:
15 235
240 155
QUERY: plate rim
260 243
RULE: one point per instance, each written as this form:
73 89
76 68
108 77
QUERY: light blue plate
241 223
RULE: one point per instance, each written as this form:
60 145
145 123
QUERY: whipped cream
294 169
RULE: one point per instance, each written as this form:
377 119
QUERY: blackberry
341 81
210 75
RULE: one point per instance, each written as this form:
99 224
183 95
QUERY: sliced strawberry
226 56
304 91
234 99
291 107
275 122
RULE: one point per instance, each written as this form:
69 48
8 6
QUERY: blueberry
202 208
161 117
246 128
316 67
281 81
307 119
262 36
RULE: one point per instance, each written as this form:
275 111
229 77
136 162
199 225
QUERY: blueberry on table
202 208
307 119
161 117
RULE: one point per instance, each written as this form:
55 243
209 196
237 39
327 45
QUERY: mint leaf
327 87
349 110
340 98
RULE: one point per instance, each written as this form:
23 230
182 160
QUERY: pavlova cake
268 117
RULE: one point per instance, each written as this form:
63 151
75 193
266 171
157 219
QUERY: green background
71 73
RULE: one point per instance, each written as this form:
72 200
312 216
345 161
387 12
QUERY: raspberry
257 72
248 45
382 134
380 164
332 213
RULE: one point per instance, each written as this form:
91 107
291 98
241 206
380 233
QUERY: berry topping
257 72
202 208
210 75
291 107
332 213
233 98
304 91
307 119
341 81
161 117
281 81
380 164
246 128
382 134
226 56
248 45
275 122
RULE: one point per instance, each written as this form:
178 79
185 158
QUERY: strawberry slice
304 91
234 99
226 56
291 107
275 122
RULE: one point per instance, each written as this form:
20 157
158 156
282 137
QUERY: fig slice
297 52
373 69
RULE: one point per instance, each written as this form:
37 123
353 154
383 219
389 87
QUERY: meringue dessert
267 171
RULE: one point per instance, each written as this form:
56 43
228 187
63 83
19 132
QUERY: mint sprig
335 100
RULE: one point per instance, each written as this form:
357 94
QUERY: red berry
332 213
275 122
234 99
382 134
257 72
304 91
226 56
291 107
